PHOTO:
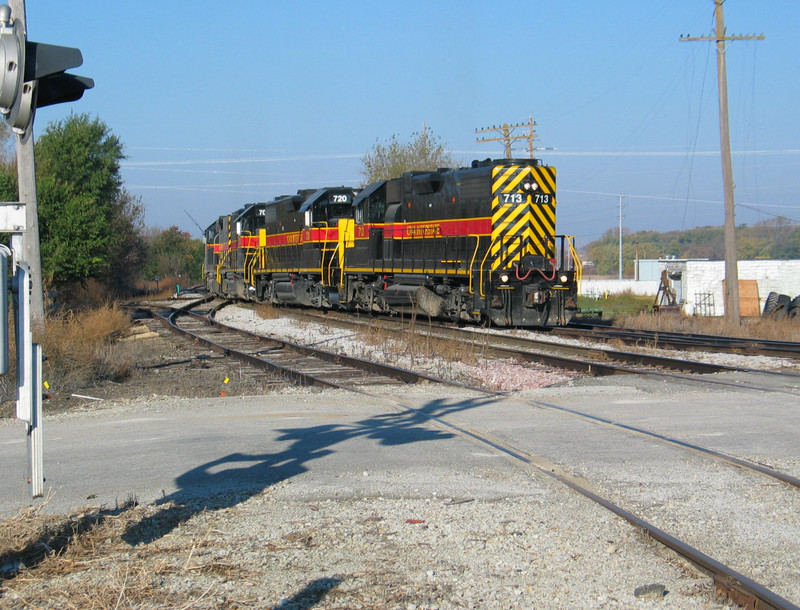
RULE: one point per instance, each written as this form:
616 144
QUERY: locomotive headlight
563 278
530 186
504 277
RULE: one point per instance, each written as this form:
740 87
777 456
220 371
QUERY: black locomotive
475 244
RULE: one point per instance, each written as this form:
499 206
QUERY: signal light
12 45
33 74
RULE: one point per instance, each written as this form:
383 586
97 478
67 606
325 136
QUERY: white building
698 283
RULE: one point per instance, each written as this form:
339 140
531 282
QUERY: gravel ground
466 367
373 525
350 531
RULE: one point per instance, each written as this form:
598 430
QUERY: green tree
89 224
172 252
424 152
775 238
9 189
128 249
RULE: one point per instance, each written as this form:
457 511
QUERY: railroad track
297 363
584 359
737 586
741 589
681 341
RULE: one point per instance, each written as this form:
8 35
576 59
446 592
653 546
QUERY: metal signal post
732 314
32 75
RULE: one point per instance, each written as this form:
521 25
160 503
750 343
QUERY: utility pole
26 173
620 236
732 314
33 76
507 136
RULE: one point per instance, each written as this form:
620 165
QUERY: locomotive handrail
330 266
249 270
485 256
246 267
221 263
472 261
576 260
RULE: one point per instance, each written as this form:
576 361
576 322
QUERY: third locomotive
474 244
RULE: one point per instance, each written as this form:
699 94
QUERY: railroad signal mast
32 75
732 314
507 136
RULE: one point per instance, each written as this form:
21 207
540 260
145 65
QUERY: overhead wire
690 156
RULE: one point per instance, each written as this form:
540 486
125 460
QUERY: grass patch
636 311
615 305
768 329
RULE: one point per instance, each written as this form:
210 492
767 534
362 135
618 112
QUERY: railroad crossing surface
310 448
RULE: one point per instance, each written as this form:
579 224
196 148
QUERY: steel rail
739 588
678 340
292 375
586 366
258 360
386 370
520 347
670 441
780 476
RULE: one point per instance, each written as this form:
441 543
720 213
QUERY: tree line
776 238
92 229
90 226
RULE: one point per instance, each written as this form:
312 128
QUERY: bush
79 351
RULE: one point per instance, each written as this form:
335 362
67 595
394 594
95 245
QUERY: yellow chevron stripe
545 220
520 229
518 242
544 178
522 173
505 230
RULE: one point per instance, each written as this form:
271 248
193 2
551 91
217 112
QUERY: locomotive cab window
339 205
370 204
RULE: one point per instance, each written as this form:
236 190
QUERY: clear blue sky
223 103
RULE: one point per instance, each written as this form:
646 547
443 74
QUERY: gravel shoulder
325 503
292 498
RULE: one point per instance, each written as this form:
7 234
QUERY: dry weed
79 347
163 289
267 311
787 329
415 344
86 560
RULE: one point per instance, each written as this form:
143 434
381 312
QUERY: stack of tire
780 306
